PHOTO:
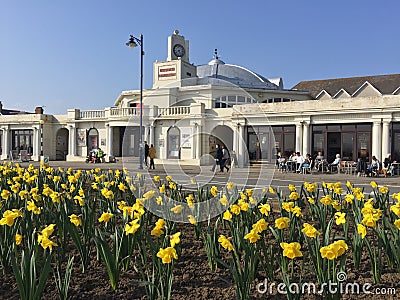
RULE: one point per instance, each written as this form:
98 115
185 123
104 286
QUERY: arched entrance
93 139
222 135
173 142
62 144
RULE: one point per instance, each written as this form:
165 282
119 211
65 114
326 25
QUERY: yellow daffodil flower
291 250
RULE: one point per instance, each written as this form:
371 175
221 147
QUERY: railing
92 114
174 110
124 112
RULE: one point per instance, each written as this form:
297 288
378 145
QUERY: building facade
191 108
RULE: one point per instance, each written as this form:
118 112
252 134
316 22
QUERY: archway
222 135
173 142
93 139
62 144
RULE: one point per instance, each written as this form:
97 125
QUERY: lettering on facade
167 72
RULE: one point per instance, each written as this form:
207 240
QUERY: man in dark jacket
218 157
146 152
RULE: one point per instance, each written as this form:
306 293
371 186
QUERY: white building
191 108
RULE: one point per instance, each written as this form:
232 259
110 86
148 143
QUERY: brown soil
193 279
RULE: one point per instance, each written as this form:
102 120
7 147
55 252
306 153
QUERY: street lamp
132 43
41 138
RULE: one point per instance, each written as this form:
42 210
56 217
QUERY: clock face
179 50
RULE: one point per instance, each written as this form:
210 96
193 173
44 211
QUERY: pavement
250 177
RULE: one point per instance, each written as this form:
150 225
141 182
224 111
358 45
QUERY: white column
5 143
385 140
152 135
198 142
299 145
376 139
71 142
306 138
146 134
194 142
109 142
241 154
36 144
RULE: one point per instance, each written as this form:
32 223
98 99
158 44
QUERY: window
22 140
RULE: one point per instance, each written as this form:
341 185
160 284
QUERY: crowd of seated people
297 163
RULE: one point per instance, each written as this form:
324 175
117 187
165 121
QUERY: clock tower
177 66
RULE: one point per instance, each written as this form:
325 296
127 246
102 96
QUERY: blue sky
72 54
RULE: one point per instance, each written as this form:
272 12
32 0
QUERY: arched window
173 142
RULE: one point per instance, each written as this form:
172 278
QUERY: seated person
387 167
320 162
361 166
306 163
282 163
335 163
373 166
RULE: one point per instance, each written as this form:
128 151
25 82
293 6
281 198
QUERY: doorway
333 145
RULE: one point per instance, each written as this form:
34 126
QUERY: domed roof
237 75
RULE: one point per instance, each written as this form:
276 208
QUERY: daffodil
294 196
105 217
76 220
175 239
9 217
167 254
260 226
373 184
291 250
297 211
282 223
227 215
230 185
264 208
252 236
132 227
177 209
235 209
397 224
309 230
340 218
225 243
271 190
192 220
287 206
223 200
214 190
362 230
18 239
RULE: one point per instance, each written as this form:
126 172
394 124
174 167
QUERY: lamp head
131 43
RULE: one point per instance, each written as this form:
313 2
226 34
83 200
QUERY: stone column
152 141
198 142
385 139
110 138
5 143
306 138
376 139
194 141
147 134
299 144
71 142
241 153
36 144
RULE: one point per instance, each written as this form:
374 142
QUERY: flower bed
75 234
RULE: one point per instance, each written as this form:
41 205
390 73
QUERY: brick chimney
39 110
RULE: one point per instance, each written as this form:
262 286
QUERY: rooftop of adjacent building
385 84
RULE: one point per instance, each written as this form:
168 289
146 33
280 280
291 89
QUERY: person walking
152 155
225 159
217 157
146 152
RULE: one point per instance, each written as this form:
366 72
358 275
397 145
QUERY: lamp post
41 138
132 43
